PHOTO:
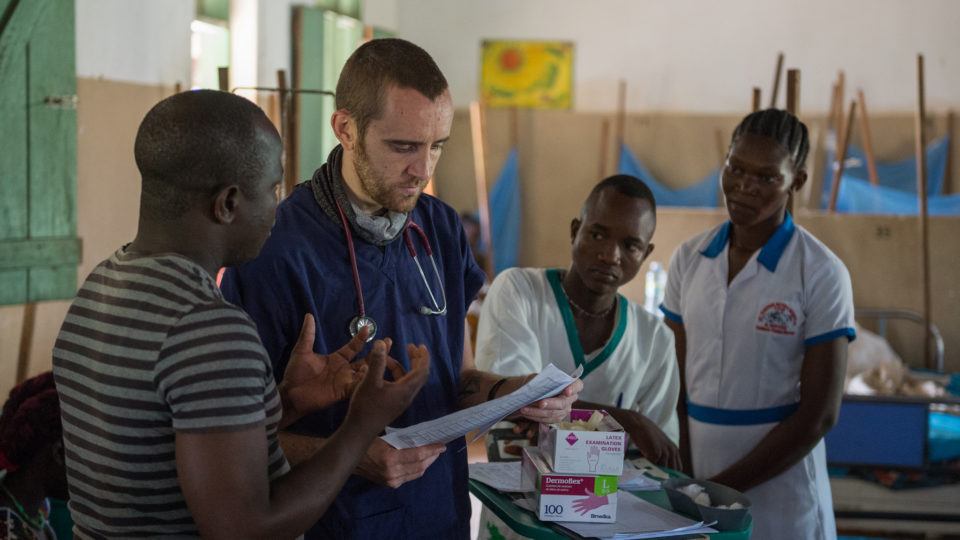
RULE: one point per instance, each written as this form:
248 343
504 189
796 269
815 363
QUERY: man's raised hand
313 381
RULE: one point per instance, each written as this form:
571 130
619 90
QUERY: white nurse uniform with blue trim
744 350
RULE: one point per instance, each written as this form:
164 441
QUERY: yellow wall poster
529 74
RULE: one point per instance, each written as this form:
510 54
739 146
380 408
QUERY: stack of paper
636 518
634 479
503 475
481 417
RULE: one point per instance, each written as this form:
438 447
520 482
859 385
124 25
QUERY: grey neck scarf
329 190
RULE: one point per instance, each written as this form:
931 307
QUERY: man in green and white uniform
575 317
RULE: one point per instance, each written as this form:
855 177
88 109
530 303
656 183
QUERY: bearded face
398 194
396 155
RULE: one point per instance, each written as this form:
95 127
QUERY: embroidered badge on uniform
778 318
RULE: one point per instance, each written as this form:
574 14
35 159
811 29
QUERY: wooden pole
811 194
793 107
867 139
776 80
286 128
948 186
604 150
841 97
514 128
26 340
292 144
832 115
920 149
721 143
223 78
841 157
480 178
621 112
755 104
793 91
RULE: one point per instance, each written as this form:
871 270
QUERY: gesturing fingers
353 347
307 333
376 362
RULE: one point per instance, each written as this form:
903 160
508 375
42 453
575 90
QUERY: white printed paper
503 475
547 383
637 518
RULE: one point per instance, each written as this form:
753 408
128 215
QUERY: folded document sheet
481 417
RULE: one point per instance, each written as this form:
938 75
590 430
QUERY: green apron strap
573 336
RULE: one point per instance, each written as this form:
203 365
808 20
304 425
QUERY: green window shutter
325 40
214 9
381 33
39 250
350 8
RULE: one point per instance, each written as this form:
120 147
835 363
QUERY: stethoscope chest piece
361 321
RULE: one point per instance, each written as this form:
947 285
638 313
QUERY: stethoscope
362 319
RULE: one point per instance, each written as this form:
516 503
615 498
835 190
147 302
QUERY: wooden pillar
920 129
948 186
793 91
26 340
480 178
841 157
621 113
604 147
793 107
867 139
776 81
223 78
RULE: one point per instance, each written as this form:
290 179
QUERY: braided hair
30 421
781 126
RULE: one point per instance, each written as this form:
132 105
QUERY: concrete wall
138 41
560 162
691 55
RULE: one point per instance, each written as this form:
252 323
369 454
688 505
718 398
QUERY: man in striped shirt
170 409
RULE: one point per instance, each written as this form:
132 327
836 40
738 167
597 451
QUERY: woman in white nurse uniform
762 312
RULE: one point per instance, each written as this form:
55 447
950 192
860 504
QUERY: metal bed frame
862 506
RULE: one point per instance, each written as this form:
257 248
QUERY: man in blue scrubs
341 248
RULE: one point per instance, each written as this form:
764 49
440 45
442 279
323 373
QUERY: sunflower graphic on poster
529 74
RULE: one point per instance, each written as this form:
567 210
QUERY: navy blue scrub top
305 268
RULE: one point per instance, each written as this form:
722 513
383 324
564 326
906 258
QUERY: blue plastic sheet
900 175
861 197
944 437
705 193
505 214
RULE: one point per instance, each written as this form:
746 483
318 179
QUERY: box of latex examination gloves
588 442
585 498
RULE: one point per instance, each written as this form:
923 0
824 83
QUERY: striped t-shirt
148 348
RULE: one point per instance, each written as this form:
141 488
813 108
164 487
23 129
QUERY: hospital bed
897 437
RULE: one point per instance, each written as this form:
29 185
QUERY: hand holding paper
549 382
556 408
